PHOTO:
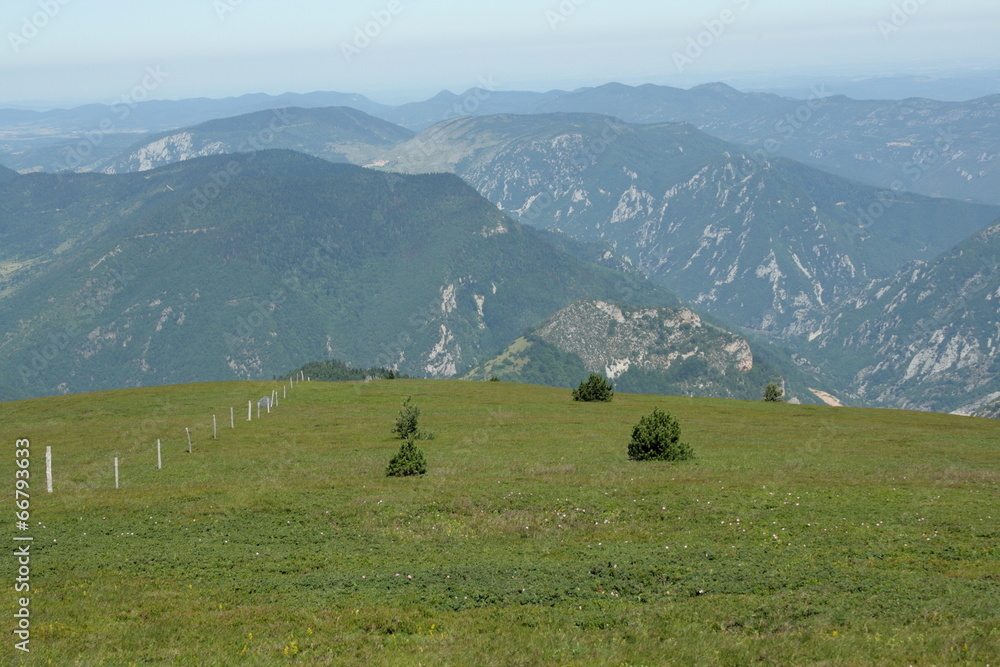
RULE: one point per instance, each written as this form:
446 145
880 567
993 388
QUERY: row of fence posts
272 399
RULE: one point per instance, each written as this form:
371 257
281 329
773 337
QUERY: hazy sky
75 51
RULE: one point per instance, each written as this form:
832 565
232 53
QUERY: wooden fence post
116 472
48 469
215 428
232 419
159 458
188 431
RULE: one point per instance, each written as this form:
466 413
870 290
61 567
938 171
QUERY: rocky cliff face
928 339
642 350
768 244
612 340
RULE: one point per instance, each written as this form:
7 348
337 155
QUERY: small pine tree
408 461
657 438
773 393
406 421
595 388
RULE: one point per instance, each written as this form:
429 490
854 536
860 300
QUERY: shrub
595 388
406 421
773 393
408 461
657 438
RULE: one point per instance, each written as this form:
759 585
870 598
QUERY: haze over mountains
828 254
940 149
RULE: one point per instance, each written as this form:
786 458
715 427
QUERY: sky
67 52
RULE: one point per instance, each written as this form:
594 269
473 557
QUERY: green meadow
799 534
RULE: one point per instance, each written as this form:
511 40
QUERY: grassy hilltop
800 534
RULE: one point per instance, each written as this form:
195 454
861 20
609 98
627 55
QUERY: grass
799 534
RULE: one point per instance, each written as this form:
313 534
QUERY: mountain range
835 285
940 149
768 245
337 134
246 265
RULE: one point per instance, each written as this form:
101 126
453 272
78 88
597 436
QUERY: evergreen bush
594 388
657 438
773 393
408 461
406 421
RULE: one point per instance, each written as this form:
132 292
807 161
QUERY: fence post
159 458
249 410
284 391
215 428
48 469
188 431
116 472
232 419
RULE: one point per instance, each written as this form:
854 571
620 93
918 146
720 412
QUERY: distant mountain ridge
337 134
940 149
76 139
